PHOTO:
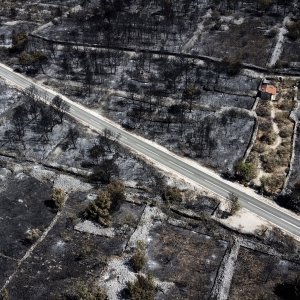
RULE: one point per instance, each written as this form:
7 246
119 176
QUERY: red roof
268 88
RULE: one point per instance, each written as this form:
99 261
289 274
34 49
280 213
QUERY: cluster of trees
116 23
34 112
104 154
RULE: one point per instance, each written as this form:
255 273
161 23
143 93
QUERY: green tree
246 171
99 210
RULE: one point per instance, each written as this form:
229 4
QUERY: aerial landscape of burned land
109 110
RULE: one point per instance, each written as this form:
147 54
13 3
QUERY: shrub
116 189
19 42
263 110
272 183
138 261
272 33
143 288
246 171
286 132
290 200
99 210
172 195
282 118
294 31
58 198
33 235
270 162
286 104
105 171
268 137
86 292
259 148
4 295
265 125
231 67
235 205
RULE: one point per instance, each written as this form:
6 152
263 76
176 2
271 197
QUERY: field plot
262 275
173 251
67 258
248 39
24 209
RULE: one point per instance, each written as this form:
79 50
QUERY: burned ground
177 262
258 274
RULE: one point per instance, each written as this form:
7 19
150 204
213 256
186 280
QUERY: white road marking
290 223
147 149
216 186
263 210
274 215
181 167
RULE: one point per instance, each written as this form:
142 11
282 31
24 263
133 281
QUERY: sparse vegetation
99 210
138 260
89 292
234 202
32 235
4 294
143 288
58 197
172 195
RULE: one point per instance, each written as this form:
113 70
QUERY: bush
231 67
294 31
286 132
58 198
4 295
86 292
272 33
259 148
138 261
99 210
246 171
19 42
265 125
172 195
116 189
105 171
268 137
282 118
272 184
33 235
263 110
143 288
235 205
270 162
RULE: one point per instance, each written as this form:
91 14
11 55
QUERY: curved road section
166 160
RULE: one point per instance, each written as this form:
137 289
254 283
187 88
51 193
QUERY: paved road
167 160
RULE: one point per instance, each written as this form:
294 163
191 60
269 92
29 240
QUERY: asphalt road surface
166 160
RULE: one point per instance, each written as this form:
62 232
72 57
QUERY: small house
268 91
